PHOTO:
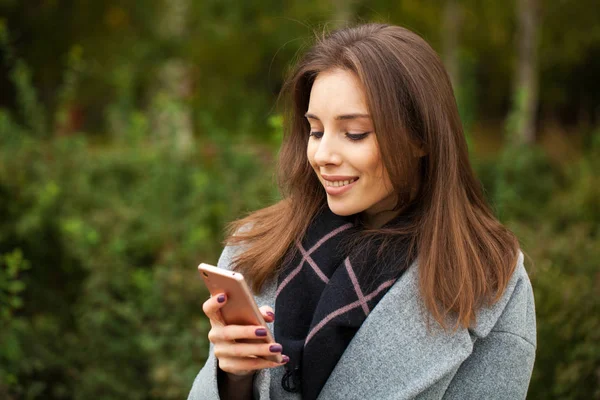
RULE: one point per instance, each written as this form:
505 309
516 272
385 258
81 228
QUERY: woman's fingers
239 348
231 333
212 306
267 313
246 350
238 366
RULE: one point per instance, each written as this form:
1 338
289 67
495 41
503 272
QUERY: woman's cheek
310 151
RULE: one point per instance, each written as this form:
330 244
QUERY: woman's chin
341 210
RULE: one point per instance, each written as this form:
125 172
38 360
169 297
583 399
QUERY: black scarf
326 292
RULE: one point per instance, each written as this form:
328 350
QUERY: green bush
112 302
554 211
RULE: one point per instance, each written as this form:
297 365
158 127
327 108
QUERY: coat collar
408 358
403 359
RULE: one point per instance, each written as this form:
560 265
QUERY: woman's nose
326 151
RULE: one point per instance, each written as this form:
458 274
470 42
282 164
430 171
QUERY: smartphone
240 309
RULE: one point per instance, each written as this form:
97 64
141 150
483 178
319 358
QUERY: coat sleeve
501 364
205 385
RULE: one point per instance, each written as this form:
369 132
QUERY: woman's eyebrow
340 117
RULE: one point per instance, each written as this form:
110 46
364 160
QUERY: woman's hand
240 359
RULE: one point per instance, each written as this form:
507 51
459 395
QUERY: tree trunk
450 38
171 114
525 94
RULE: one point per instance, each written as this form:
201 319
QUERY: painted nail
270 314
285 359
261 332
275 348
221 298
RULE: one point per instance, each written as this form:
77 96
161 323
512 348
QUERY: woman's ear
421 152
418 150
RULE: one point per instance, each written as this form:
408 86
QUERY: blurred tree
522 120
170 111
453 16
569 61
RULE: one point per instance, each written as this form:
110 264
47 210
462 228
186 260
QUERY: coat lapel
400 360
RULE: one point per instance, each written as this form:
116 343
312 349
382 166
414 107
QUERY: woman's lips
337 190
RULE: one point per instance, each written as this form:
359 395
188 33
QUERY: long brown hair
465 256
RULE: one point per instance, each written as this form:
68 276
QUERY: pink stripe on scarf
313 264
359 293
305 254
345 309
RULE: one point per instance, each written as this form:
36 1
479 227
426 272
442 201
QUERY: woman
382 272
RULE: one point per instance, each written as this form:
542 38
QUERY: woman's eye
357 136
352 136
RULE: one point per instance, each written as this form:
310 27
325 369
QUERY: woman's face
343 150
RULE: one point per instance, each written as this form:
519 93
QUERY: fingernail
285 359
221 298
275 348
261 332
270 314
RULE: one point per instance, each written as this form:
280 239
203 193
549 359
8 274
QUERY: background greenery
132 131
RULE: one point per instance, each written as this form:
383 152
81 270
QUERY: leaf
16 286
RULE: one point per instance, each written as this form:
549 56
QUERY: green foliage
112 305
520 182
100 232
12 265
564 273
10 285
554 211
20 74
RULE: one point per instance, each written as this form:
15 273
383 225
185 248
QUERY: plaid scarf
326 292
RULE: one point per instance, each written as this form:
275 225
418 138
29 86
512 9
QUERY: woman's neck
377 220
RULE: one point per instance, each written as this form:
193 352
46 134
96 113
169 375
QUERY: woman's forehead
336 94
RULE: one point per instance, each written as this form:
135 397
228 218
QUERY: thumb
267 313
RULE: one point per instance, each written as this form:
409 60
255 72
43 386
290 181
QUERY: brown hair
465 256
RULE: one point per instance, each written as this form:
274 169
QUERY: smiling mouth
339 183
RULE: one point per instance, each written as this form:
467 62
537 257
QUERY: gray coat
395 356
